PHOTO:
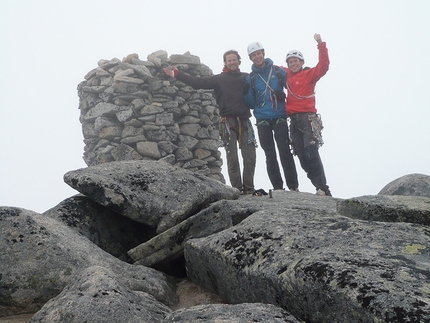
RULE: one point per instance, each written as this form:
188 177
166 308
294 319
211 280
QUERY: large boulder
410 185
388 208
322 266
99 296
286 256
151 192
40 256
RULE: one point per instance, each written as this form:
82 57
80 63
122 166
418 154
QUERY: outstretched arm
208 82
317 37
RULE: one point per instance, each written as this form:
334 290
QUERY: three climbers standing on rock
263 92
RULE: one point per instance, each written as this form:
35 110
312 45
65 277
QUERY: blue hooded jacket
262 100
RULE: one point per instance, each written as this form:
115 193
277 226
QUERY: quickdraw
224 131
317 127
251 134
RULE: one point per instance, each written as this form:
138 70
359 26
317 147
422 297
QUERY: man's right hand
171 71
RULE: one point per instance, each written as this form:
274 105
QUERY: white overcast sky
374 100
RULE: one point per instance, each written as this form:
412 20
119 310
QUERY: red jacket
301 85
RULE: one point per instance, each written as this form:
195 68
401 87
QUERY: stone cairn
130 110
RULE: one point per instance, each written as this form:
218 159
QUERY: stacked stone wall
130 110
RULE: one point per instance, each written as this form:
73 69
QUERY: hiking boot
320 192
248 191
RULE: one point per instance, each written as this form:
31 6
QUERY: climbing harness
316 127
242 125
266 122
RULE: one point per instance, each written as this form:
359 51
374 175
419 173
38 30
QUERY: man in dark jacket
235 126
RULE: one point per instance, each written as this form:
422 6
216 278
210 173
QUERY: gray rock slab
410 185
388 208
320 266
151 192
224 313
292 200
99 296
170 243
41 255
220 215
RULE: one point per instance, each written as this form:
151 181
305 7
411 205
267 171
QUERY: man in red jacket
235 125
306 124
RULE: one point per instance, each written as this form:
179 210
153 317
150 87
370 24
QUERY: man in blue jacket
266 97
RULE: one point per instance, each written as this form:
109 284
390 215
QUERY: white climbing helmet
295 53
253 47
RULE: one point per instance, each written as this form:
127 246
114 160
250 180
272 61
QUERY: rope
297 96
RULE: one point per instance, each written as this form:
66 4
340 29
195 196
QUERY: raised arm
323 61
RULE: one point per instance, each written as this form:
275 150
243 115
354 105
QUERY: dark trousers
243 182
249 159
306 150
270 131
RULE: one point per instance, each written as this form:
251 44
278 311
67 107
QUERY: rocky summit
152 215
119 250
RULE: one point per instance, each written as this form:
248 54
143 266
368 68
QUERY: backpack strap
278 75
252 76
